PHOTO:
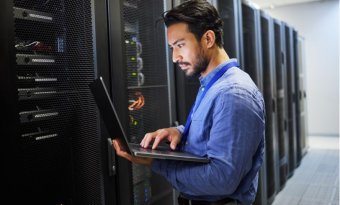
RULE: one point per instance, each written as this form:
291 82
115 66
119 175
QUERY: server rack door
281 111
231 15
9 120
253 66
52 142
302 96
102 64
140 80
285 144
252 42
268 50
291 99
297 98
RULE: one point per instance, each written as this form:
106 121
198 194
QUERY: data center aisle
316 180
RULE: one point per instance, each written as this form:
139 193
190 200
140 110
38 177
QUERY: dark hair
200 16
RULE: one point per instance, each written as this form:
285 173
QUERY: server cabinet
252 43
291 100
253 66
281 87
302 95
141 90
269 88
231 15
297 98
52 152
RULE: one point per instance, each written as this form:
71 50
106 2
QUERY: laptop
115 129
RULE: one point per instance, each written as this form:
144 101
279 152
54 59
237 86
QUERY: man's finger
147 139
157 140
119 151
174 142
161 135
143 141
118 146
115 144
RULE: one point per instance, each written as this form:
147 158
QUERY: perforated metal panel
231 15
253 66
58 153
269 85
291 99
147 86
281 100
252 44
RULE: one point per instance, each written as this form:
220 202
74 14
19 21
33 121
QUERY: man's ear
209 38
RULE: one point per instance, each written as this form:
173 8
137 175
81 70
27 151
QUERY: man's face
187 52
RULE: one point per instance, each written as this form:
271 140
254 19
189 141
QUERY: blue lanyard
198 101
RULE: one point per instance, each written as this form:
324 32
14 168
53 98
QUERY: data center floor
316 180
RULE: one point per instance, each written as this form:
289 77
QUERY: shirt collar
205 80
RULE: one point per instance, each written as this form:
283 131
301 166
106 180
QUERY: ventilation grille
147 84
58 121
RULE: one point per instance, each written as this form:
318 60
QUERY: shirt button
202 89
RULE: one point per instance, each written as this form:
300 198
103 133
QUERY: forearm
197 178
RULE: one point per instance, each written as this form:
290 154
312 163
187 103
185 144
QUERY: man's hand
122 153
171 134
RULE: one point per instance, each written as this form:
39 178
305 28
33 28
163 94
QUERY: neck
217 56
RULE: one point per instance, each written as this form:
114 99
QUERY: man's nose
176 56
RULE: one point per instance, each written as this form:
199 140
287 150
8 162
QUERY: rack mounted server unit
53 150
142 89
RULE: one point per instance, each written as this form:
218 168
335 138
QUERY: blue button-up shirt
228 127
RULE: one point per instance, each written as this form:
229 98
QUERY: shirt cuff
180 128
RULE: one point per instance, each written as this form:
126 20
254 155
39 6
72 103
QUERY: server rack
231 15
269 74
53 151
141 89
291 100
281 101
252 43
253 66
302 95
297 98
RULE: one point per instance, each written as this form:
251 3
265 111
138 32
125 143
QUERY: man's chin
191 74
188 73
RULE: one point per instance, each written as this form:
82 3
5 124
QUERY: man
227 121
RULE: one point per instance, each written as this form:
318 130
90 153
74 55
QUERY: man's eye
180 45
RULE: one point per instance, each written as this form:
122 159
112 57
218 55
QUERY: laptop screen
115 129
108 111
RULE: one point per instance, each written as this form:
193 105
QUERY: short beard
201 65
